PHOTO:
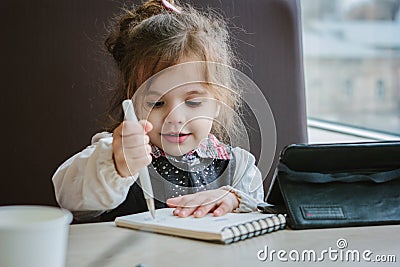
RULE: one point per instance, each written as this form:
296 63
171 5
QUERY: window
352 62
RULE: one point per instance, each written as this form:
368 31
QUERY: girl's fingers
184 205
127 128
136 140
147 126
139 162
204 210
131 154
197 204
174 202
131 149
136 151
200 204
223 208
127 168
185 212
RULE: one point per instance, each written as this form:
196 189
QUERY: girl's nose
176 115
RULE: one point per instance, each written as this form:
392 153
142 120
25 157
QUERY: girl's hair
149 38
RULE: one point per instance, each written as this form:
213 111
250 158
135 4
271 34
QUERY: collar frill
210 147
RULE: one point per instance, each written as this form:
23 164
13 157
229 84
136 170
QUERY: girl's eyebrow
153 93
197 92
191 92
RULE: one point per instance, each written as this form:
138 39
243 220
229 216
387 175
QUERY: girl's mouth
176 137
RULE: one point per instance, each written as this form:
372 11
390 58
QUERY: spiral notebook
226 229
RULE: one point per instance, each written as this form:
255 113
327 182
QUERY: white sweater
89 180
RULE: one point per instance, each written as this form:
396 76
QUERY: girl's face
181 109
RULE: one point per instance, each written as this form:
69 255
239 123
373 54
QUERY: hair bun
154 7
129 19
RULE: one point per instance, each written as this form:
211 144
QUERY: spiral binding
254 228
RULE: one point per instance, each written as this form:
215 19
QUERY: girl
170 60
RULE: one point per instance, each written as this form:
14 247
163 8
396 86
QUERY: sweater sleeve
89 180
247 183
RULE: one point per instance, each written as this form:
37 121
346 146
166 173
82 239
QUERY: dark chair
54 72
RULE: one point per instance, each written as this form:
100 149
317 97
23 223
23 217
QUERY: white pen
144 172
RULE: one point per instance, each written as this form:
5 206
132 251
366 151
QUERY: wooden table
104 244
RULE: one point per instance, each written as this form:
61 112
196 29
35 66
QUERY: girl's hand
131 149
218 201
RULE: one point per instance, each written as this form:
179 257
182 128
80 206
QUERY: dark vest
171 179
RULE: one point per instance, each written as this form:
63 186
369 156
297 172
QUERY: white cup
33 236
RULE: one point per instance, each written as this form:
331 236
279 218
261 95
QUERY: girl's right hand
131 149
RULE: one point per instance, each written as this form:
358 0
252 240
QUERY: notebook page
207 224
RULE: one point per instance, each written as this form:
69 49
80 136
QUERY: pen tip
151 207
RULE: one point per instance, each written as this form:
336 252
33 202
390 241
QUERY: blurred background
352 62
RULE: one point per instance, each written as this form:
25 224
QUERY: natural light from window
352 62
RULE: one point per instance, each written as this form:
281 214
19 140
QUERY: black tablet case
338 185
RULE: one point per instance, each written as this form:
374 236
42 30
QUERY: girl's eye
155 104
193 103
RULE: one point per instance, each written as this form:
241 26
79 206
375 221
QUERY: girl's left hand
218 201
